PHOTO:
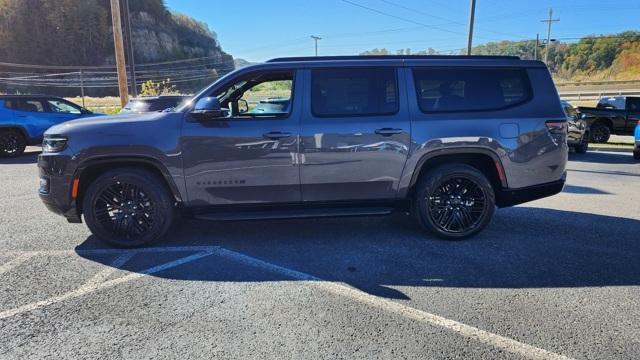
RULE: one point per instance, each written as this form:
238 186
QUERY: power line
400 18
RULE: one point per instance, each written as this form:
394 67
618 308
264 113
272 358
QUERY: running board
221 215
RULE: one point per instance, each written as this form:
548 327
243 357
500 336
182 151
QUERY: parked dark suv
446 139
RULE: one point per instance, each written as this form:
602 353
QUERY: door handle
275 135
388 131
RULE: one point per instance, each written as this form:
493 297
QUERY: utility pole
119 50
316 38
132 63
82 86
472 15
535 51
548 45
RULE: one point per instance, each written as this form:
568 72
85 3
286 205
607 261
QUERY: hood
98 123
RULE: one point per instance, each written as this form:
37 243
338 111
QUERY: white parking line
98 282
94 284
16 261
168 249
468 331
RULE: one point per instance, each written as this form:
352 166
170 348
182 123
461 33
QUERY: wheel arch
20 129
481 159
89 170
608 122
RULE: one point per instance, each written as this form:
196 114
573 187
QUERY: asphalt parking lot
555 278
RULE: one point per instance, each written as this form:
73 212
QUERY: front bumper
56 178
512 197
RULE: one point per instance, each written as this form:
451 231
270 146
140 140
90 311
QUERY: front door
355 134
251 155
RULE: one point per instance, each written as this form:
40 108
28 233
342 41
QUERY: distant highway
593 90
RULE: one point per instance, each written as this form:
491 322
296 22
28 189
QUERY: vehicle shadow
29 157
576 189
524 247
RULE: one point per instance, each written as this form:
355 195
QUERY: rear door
633 113
30 113
355 133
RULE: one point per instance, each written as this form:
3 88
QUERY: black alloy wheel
455 201
12 143
124 210
457 204
600 133
128 207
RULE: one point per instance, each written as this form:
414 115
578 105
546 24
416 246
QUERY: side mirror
243 106
207 108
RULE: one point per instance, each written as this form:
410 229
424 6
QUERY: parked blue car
636 149
24 118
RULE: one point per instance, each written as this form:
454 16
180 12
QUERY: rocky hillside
78 32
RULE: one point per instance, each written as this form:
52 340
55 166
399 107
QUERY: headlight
53 143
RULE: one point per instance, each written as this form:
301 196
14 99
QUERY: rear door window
354 92
470 89
611 103
27 105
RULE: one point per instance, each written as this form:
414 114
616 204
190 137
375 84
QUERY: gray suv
444 138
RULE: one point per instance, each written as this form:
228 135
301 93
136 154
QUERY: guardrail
590 95
598 82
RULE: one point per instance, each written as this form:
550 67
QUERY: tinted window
464 89
611 103
633 104
30 105
353 92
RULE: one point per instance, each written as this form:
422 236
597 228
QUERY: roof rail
391 57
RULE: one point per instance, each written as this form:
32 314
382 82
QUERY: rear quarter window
441 90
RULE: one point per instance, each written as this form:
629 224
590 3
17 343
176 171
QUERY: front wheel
128 207
454 201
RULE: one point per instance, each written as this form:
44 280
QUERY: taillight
557 130
556 127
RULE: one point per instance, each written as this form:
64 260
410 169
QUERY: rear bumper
511 197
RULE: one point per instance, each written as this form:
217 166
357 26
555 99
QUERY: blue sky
257 30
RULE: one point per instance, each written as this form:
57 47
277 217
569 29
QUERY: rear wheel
600 132
454 201
128 207
12 143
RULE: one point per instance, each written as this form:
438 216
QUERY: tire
12 143
128 207
583 146
450 181
600 132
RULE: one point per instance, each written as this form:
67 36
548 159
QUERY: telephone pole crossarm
549 21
